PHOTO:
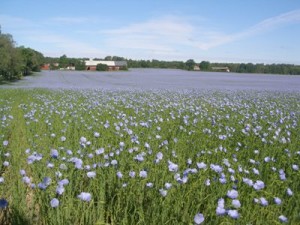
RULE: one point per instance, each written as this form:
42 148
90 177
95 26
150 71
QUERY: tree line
190 64
64 61
253 68
208 66
16 62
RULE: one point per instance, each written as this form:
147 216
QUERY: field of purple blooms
149 157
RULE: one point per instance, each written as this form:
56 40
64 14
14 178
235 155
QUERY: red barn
45 67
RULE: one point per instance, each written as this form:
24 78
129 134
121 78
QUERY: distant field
158 79
148 157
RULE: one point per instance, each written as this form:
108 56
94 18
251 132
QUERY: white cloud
274 22
157 36
168 26
262 27
168 34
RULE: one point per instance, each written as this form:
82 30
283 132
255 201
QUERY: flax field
105 157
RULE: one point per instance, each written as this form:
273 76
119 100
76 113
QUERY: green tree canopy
10 59
190 64
79 64
101 67
205 65
108 58
63 61
117 58
31 60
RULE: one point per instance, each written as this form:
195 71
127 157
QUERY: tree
101 67
79 64
117 58
31 60
145 63
205 65
10 59
108 58
63 61
190 64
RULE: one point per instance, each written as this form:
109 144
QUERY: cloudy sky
258 31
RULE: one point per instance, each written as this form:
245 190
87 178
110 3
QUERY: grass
238 131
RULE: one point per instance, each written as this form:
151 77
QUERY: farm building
48 66
197 67
112 65
45 66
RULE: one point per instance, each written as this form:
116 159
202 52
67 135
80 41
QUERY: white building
112 65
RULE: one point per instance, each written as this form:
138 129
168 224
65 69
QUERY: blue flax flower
283 219
143 174
163 192
63 182
199 218
60 189
232 194
277 201
233 213
3 203
91 174
54 153
84 196
119 174
258 185
54 203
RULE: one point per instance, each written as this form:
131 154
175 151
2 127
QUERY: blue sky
258 31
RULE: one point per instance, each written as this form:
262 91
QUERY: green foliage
124 68
289 69
10 59
190 64
50 60
108 58
117 58
63 61
79 64
205 66
17 61
145 63
112 58
101 67
54 66
31 60
155 64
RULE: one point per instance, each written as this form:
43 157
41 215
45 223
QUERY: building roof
108 63
120 63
